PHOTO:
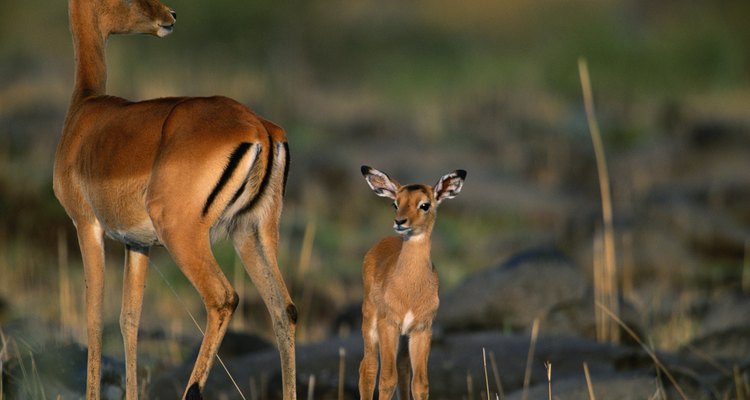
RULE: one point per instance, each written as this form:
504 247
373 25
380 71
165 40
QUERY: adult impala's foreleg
91 242
134 281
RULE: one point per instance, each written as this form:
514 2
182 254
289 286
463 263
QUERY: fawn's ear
449 185
380 183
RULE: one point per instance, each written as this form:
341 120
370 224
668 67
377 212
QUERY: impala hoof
194 393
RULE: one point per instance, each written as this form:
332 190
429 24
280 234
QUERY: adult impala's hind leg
191 250
90 240
136 266
257 249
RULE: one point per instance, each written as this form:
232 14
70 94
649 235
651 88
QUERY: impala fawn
175 172
401 288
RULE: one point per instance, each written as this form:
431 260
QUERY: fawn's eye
395 205
424 207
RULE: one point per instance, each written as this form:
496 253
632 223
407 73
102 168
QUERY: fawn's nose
399 222
174 14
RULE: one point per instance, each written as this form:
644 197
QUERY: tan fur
150 172
401 289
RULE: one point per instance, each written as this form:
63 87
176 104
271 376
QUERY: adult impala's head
126 16
415 204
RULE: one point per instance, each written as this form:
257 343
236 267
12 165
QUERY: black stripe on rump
234 160
287 159
263 184
253 171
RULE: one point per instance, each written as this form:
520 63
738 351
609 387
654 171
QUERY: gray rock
511 295
724 312
59 370
729 344
577 318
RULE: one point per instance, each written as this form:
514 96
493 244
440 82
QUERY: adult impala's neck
89 41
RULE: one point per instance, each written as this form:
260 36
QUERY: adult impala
401 288
170 171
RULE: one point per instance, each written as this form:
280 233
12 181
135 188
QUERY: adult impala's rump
401 288
170 171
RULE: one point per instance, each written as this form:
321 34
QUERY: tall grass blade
610 269
746 269
738 384
303 268
238 319
496 376
548 365
469 386
37 377
589 386
530 358
3 357
342 371
306 251
254 389
311 387
68 313
486 378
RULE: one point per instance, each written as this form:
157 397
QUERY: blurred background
416 89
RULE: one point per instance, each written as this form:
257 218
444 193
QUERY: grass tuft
606 288
660 366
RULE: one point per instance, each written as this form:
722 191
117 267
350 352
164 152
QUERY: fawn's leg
368 368
388 334
404 368
419 348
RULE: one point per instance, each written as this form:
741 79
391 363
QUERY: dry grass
589 385
486 377
530 358
496 376
3 358
548 366
606 287
342 372
660 366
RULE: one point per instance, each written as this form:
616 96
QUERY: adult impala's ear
380 183
449 185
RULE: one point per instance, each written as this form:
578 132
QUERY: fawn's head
127 16
416 204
